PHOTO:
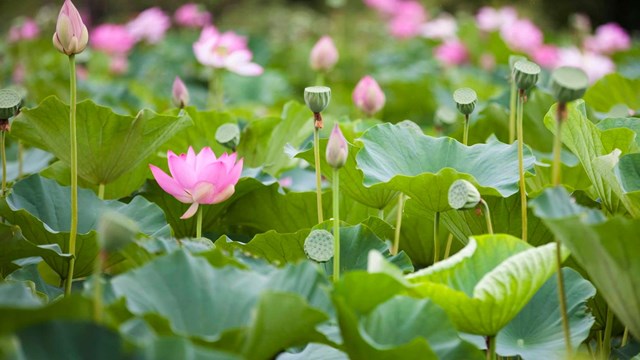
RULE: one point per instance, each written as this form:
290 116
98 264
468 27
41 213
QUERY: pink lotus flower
324 54
609 38
225 50
385 7
407 19
444 27
546 56
451 53
367 96
71 34
118 64
490 19
112 39
192 15
179 93
199 179
522 35
26 31
595 65
150 25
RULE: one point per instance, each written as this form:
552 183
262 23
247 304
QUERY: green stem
320 79
487 216
20 159
316 154
523 190
436 241
97 289
465 135
563 302
216 91
336 225
199 223
4 161
396 240
447 250
74 175
491 347
608 328
381 213
557 146
625 337
512 112
101 191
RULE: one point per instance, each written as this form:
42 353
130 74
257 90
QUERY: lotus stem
101 191
491 347
523 189
316 154
97 288
20 159
336 225
625 337
216 91
396 240
465 135
74 175
608 328
381 213
487 216
557 146
199 223
436 242
512 111
447 250
320 79
3 151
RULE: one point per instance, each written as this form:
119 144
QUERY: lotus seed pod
411 126
116 231
228 135
317 98
526 74
568 83
319 245
10 102
465 99
463 195
513 59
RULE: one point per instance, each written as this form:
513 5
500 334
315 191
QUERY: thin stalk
216 91
447 250
599 343
381 213
436 242
320 79
512 111
465 136
396 240
199 223
491 347
523 190
97 289
20 159
101 191
557 146
336 225
487 216
4 161
316 154
625 337
608 328
74 175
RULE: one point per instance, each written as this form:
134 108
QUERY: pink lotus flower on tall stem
367 96
71 34
225 50
112 39
150 25
199 179
609 38
192 15
451 53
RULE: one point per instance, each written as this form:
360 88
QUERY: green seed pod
526 74
465 99
116 231
10 102
317 98
463 195
319 245
228 135
568 83
513 59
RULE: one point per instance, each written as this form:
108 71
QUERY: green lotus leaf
40 207
315 352
424 167
181 348
611 90
74 308
33 160
486 284
605 248
29 272
109 145
632 123
19 294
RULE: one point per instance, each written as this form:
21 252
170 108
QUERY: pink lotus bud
337 148
451 53
192 15
180 94
71 34
324 54
368 96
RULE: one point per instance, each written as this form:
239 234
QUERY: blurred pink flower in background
522 35
192 15
608 39
491 19
367 96
324 54
112 39
444 27
385 7
150 25
199 179
27 30
17 76
451 53
546 56
407 19
225 50
118 64
595 65
488 61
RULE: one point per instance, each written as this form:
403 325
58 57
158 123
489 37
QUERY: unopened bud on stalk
115 231
319 245
71 36
10 102
179 93
337 148
228 135
368 96
324 54
568 83
463 195
465 99
526 74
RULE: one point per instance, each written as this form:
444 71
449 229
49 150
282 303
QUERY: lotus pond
374 180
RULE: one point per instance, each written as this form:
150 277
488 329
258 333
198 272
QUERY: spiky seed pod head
466 99
526 74
319 245
463 195
568 83
317 98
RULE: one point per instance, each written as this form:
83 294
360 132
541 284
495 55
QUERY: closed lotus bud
465 99
228 135
526 74
317 98
319 245
179 93
568 83
324 54
337 148
116 231
367 96
71 36
463 195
